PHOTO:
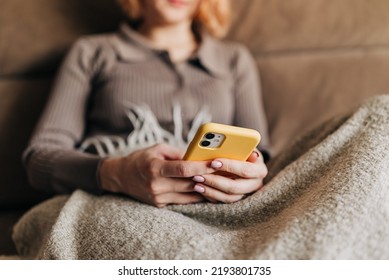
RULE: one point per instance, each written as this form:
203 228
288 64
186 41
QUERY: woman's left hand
247 177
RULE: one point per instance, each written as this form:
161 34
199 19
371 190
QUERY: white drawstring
146 132
177 120
202 117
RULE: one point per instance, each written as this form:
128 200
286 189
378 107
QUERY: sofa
316 59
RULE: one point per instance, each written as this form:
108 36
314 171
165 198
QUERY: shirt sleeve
51 160
249 109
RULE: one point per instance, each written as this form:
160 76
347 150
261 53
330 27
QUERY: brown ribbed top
102 74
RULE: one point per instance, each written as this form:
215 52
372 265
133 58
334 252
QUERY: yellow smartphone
214 140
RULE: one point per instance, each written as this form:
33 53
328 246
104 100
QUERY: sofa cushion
287 26
21 104
301 91
7 221
316 58
35 34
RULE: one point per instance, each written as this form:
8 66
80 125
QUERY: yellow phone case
238 143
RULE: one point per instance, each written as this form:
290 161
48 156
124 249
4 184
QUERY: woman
123 103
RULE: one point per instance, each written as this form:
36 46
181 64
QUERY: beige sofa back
316 59
34 35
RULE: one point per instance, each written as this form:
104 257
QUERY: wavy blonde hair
213 15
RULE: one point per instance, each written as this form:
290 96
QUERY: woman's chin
174 17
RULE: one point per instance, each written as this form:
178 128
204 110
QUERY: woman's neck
168 36
178 39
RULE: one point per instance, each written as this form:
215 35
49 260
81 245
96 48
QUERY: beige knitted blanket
326 198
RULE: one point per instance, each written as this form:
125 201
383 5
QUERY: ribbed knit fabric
103 75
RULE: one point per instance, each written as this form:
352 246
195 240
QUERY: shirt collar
133 47
210 56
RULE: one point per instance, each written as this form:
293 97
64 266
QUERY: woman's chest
160 87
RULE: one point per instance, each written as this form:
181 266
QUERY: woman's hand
154 175
242 178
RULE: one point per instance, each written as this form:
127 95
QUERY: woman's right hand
154 175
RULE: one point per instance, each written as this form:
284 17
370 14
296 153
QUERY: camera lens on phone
205 143
210 136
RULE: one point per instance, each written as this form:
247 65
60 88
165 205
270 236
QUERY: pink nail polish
199 179
216 164
199 189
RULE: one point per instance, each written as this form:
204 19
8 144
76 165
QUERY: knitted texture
326 198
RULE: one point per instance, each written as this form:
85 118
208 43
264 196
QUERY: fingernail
199 189
198 179
216 164
256 154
